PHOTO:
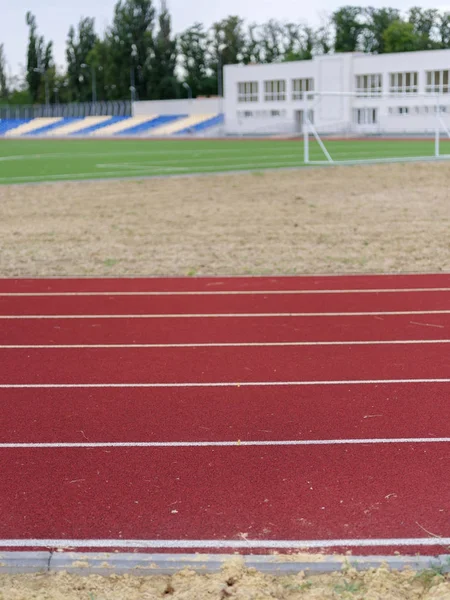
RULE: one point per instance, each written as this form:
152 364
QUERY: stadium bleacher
106 126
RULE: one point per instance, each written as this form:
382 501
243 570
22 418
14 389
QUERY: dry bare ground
383 218
234 582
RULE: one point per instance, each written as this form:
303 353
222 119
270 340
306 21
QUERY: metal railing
120 108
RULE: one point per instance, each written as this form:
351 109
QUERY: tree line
139 57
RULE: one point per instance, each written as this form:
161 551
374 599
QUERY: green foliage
163 82
377 21
401 37
3 79
79 46
139 51
39 62
348 28
130 42
192 50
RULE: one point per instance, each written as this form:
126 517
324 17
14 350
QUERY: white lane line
230 315
221 543
225 443
216 384
227 292
217 344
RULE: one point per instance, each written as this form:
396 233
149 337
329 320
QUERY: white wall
336 73
197 106
234 74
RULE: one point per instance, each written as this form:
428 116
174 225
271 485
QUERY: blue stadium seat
151 124
214 122
51 126
8 124
99 126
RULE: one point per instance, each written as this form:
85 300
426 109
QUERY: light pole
134 53
93 80
44 74
220 49
189 90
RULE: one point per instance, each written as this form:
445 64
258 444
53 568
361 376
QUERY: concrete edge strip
88 563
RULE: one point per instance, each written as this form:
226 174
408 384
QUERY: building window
248 91
278 113
300 86
438 82
365 116
274 90
403 83
369 85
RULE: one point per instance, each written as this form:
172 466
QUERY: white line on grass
225 444
162 151
221 543
223 167
227 292
229 315
218 384
220 344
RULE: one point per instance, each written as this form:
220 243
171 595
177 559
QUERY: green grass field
24 161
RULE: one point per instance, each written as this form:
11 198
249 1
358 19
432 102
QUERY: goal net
356 127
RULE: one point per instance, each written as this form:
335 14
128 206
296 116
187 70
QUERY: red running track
334 464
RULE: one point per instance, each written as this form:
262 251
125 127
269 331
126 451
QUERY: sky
54 17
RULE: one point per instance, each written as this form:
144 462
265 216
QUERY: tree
443 27
130 41
323 36
401 37
3 79
272 42
425 24
99 59
299 42
164 84
39 61
348 28
251 53
192 48
377 21
79 45
226 46
33 76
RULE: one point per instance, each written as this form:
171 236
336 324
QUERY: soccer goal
356 128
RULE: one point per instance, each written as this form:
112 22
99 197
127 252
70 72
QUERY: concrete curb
102 563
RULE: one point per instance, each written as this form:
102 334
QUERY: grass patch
25 160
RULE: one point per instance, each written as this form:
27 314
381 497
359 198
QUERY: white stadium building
402 93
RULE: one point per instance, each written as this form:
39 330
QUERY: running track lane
234 493
107 366
180 284
128 492
230 330
228 304
211 414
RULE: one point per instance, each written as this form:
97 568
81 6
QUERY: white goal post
419 124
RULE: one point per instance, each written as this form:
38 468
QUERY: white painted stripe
215 384
225 443
217 344
227 292
220 543
230 315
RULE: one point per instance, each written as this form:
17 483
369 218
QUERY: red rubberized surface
273 413
231 330
224 304
233 365
265 493
180 284
328 492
